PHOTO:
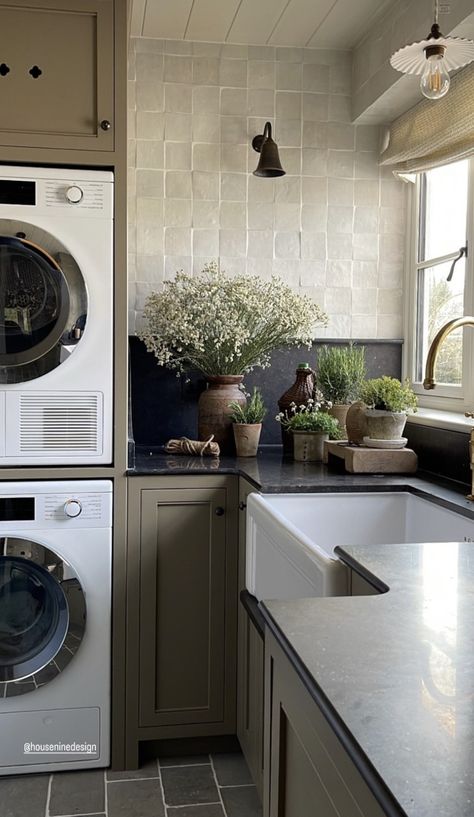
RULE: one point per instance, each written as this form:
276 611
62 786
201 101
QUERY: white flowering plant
223 325
311 416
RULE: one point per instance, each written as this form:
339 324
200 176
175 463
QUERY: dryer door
43 303
42 615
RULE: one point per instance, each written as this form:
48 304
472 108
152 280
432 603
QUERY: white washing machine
55 613
56 316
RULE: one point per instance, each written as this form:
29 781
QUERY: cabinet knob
219 511
105 124
242 506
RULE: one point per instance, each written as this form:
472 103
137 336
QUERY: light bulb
435 80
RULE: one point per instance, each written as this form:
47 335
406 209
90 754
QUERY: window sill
451 420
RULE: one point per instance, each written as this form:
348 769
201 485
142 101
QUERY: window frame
445 398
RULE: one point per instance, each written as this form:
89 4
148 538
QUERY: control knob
72 508
74 194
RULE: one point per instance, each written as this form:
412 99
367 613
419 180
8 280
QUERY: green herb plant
388 394
252 413
341 372
310 419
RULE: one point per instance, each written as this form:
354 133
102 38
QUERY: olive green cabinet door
184 599
57 74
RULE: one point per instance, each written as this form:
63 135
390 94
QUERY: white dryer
55 613
56 316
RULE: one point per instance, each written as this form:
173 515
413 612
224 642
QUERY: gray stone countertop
397 670
270 472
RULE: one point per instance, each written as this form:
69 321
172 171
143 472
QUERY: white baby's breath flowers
225 325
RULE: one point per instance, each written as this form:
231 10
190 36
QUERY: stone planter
308 446
214 412
385 425
247 436
339 412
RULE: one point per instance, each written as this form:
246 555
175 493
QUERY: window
440 283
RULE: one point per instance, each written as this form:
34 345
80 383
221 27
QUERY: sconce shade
269 164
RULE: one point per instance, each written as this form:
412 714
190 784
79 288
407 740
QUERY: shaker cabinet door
186 569
57 74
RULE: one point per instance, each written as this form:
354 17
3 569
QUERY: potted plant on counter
224 326
387 403
340 374
311 426
247 424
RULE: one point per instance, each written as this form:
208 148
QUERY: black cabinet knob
242 506
219 511
105 124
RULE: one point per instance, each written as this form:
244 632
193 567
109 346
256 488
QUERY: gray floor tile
185 760
23 795
189 785
149 769
134 798
241 802
231 769
196 811
79 792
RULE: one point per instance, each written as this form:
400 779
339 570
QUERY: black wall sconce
269 164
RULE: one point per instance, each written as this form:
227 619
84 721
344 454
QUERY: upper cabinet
57 74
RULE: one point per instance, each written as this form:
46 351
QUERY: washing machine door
42 615
42 304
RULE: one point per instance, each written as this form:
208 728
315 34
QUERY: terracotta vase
309 445
247 436
214 412
300 392
339 412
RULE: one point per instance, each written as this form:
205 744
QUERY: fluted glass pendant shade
269 165
434 58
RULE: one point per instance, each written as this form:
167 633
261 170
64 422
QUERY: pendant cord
436 11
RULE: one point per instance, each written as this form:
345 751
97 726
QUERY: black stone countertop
394 673
270 472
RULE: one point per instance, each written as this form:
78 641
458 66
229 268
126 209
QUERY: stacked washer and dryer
56 409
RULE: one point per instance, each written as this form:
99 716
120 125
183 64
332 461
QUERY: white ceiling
311 23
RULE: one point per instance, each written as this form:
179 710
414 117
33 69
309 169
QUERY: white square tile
234 130
337 300
178 156
364 327
149 238
341 192
287 245
233 73
313 246
205 185
366 247
315 135
339 272
366 220
314 217
206 243
341 164
150 183
290 159
389 302
233 243
206 128
340 219
340 108
149 67
178 186
206 99
315 107
205 71
261 102
316 78
340 245
150 96
288 132
288 105
233 102
178 213
315 162
177 241
261 74
365 274
366 192
260 218
289 76
313 274
287 216
205 213
206 157
260 189
366 165
178 68
234 186
287 189
233 215
341 136
178 127
364 301
233 158
260 243
150 125
178 98
315 190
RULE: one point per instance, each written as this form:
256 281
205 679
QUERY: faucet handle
469 413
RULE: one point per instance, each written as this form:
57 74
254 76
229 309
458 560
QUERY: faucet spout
429 382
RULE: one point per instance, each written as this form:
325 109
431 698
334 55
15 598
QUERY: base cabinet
183 536
250 666
307 770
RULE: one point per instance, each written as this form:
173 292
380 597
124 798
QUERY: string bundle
193 448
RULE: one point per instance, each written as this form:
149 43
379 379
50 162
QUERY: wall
333 227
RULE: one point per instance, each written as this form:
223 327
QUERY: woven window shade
434 133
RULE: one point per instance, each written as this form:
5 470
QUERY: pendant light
434 58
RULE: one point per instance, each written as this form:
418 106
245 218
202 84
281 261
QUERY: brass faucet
430 383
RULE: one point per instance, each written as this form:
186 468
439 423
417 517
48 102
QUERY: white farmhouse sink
291 537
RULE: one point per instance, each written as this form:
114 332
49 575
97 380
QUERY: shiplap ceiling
311 23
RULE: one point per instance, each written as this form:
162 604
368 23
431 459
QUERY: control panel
66 507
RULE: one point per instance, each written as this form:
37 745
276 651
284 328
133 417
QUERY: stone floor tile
185 760
189 785
241 801
231 769
148 769
134 798
24 795
81 792
205 810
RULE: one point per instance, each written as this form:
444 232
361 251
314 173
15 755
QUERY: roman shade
434 133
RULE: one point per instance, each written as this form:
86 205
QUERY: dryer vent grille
61 423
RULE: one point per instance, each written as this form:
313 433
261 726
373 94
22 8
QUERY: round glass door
43 303
42 615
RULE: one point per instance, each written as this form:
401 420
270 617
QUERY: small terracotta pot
356 423
339 412
385 425
247 436
308 446
214 412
